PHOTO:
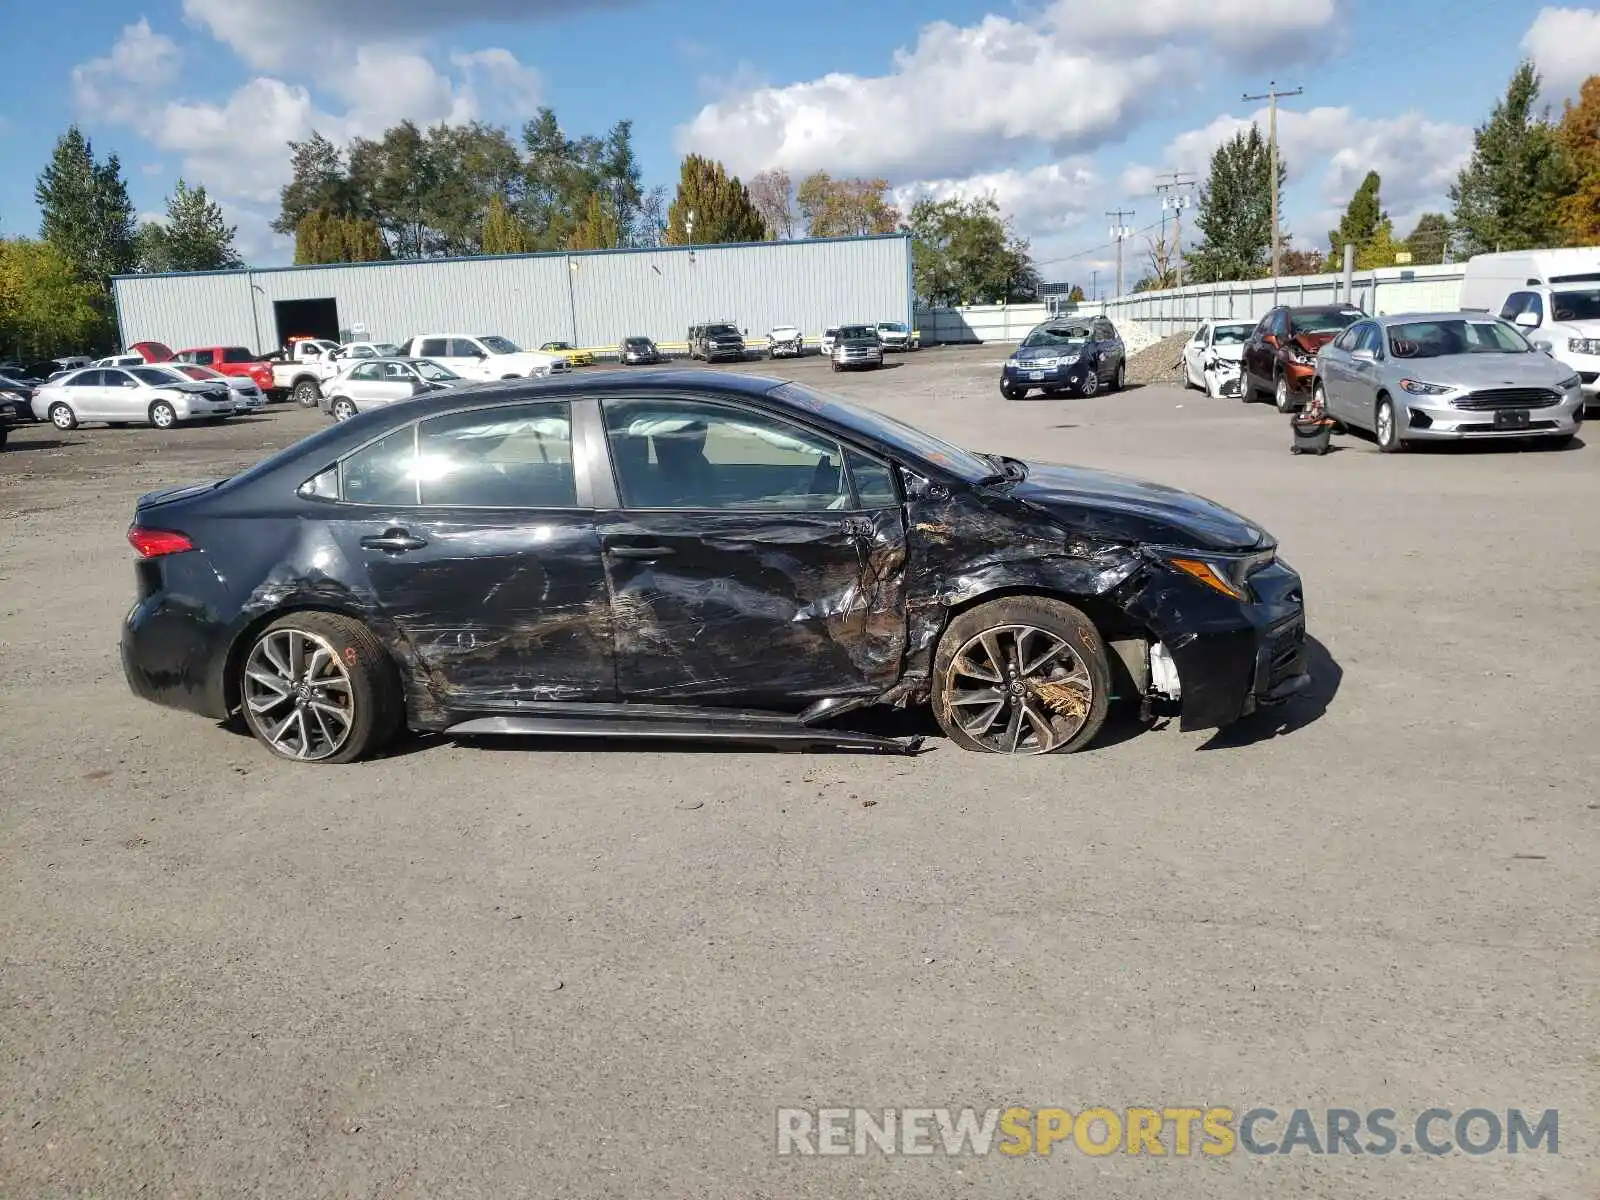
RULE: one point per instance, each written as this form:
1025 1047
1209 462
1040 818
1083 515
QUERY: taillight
154 543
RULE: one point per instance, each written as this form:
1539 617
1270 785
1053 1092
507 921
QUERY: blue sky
1063 109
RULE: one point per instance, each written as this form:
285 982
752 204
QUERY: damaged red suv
1280 355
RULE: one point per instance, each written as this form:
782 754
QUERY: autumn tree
45 308
1235 211
846 207
503 231
716 204
323 237
1578 212
1508 195
772 193
1075 296
600 229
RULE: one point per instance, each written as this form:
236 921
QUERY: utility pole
1272 95
1120 233
1094 283
1174 194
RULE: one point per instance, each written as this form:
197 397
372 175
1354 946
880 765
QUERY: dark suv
1280 355
1079 354
716 340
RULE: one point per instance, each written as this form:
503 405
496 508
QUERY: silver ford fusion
1444 376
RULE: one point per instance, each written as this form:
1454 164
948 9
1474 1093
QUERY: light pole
255 313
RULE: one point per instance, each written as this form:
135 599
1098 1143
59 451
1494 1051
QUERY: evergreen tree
85 212
600 229
1235 213
723 211
503 232
319 183
1508 194
194 238
1430 239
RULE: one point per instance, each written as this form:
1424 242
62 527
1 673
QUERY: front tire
62 416
1280 394
1386 427
342 409
1012 393
320 688
306 393
1091 383
163 415
1021 675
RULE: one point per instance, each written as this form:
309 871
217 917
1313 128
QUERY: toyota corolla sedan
1446 377
692 555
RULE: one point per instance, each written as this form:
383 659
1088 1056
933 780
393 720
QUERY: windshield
721 331
153 375
896 435
857 331
1576 306
432 371
1438 339
891 326
638 343
495 344
387 350
198 372
1329 320
1230 335
1061 336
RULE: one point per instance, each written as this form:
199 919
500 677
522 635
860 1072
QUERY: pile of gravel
1160 363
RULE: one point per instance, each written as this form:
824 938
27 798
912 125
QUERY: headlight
1011 362
1571 382
1225 573
1418 388
1584 345
1302 358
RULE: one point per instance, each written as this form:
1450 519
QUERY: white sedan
147 395
1211 357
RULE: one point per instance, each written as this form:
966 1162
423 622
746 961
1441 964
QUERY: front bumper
858 358
1069 375
713 353
1233 656
1299 377
785 349
195 410
1435 419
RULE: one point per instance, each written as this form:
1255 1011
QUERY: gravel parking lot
567 969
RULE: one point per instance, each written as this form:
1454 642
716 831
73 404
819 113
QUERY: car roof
1458 315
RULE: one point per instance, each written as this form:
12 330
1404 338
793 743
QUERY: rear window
237 354
1324 320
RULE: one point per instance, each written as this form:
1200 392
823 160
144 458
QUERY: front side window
495 344
367 372
1199 338
204 357
382 472
1371 339
685 454
433 372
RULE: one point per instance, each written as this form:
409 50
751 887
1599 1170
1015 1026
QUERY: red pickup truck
230 360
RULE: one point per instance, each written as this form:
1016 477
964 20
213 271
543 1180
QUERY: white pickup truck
485 356
303 369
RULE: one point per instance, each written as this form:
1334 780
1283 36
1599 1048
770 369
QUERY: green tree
323 237
720 204
1235 211
1578 212
45 308
845 207
600 228
1507 196
319 182
503 231
963 252
1362 218
561 173
194 237
1429 239
1075 296
85 212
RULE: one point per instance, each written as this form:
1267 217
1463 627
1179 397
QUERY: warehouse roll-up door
306 318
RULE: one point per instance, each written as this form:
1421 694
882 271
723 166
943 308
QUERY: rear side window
512 457
435 348
237 354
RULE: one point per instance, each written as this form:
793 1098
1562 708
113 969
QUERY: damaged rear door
752 562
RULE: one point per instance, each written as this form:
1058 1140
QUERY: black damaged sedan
691 555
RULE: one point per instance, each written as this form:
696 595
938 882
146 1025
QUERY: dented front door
745 567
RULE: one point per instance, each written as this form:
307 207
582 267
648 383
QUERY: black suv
718 339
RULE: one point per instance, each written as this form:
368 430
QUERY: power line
1174 193
1120 233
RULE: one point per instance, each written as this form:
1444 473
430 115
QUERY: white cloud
1071 77
1564 44
118 87
1040 200
275 34
1328 152
495 72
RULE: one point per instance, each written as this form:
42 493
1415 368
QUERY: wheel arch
239 646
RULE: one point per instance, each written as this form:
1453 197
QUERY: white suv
485 356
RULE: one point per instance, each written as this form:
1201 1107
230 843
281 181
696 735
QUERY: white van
1553 296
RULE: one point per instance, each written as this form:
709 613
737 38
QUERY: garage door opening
306 318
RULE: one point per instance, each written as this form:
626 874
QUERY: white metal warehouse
589 298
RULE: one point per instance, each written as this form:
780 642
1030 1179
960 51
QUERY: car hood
1486 370
785 334
1031 353
1122 508
1578 329
1230 351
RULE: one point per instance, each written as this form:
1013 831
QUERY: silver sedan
376 382
1443 377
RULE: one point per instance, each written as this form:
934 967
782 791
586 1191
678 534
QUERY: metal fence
1177 310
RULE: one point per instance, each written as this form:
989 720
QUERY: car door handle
641 551
393 541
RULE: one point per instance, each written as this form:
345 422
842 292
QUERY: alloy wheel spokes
298 693
1019 689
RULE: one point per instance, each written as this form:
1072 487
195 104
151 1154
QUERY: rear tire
338 656
163 415
1120 378
1021 675
62 416
306 393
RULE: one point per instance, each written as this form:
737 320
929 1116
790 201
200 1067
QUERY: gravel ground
221 975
